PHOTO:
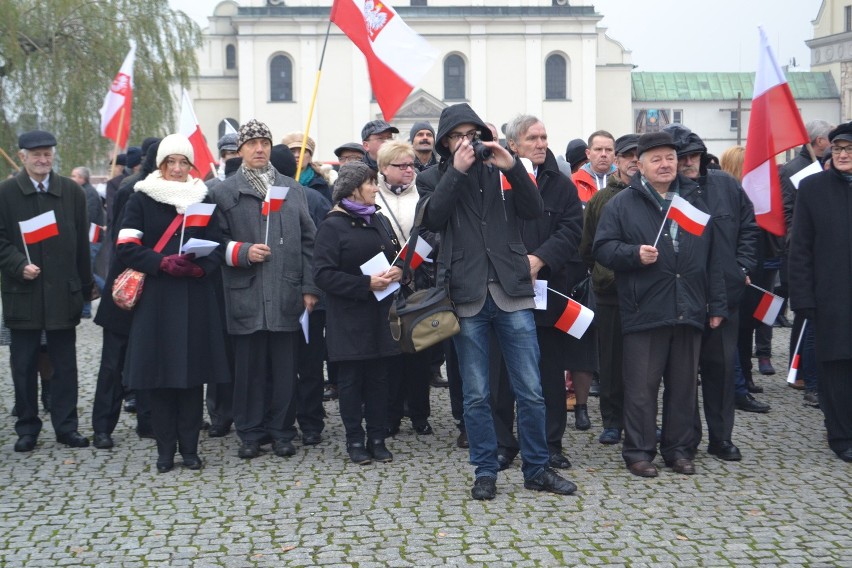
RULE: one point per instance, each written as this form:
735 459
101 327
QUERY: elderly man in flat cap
44 285
667 290
268 284
373 135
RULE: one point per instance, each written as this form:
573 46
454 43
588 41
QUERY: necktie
41 187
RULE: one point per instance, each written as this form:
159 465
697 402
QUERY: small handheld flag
95 232
575 319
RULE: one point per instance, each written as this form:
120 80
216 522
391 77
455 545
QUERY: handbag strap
161 244
446 244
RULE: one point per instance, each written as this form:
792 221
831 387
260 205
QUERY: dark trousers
23 357
608 319
363 393
109 391
835 400
671 353
551 344
309 385
408 387
176 415
455 384
718 382
220 396
265 365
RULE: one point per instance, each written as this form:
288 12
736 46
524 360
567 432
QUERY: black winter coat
677 288
821 261
177 337
357 325
109 316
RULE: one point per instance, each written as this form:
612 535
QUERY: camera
480 150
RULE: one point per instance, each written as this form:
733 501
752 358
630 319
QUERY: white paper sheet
540 287
379 265
303 319
200 247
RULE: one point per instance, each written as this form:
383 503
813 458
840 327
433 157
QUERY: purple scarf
360 209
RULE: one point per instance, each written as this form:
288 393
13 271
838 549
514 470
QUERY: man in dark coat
44 285
820 272
664 290
735 238
491 287
97 215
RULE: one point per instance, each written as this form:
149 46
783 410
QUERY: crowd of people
288 304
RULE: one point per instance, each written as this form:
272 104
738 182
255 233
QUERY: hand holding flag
688 217
37 229
196 215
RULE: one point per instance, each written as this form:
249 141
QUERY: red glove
179 266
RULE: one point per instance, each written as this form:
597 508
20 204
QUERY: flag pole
660 232
761 289
561 294
182 228
811 151
26 248
394 260
117 138
313 100
796 351
10 160
268 219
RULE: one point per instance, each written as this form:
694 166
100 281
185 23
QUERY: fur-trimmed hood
177 193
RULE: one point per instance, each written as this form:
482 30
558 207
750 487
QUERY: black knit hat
575 152
349 178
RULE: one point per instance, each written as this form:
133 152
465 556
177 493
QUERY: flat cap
626 143
653 140
842 132
36 139
377 127
352 146
228 142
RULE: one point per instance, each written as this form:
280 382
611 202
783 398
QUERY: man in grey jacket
268 284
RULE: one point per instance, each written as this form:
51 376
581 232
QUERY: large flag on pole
397 57
188 126
114 125
774 126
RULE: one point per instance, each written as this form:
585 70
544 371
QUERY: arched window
454 78
230 56
555 78
280 79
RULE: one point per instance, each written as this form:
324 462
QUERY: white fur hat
175 144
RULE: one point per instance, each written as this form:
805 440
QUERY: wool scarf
179 194
260 179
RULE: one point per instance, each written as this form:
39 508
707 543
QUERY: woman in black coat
357 331
176 339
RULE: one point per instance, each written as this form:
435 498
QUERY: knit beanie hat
294 142
349 178
175 144
418 126
251 130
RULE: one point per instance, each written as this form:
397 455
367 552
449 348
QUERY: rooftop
657 86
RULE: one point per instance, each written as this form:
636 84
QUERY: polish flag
114 124
575 320
95 232
768 308
421 251
794 370
198 214
274 199
397 57
39 228
688 217
504 183
774 126
188 126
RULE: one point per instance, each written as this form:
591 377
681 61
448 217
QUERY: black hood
451 117
686 141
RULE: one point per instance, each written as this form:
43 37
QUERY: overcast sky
682 35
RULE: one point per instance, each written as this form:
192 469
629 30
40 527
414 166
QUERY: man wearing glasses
491 287
349 152
373 135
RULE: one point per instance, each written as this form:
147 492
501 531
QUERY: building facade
831 49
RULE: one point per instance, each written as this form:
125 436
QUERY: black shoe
283 448
424 429
558 460
73 440
164 467
330 393
192 462
438 382
249 450
379 452
581 417
358 454
218 430
130 404
549 480
782 321
484 489
461 441
753 388
764 365
610 436
595 389
25 443
145 433
102 441
311 438
748 403
845 455
683 466
726 451
504 460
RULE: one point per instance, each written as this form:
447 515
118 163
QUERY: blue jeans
517 337
94 249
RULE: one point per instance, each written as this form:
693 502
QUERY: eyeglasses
403 167
837 150
455 136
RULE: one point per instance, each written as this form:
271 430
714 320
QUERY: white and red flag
774 126
768 308
575 320
794 363
188 126
688 217
118 103
397 57
275 198
528 165
421 251
95 232
198 214
39 228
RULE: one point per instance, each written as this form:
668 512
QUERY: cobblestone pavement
787 502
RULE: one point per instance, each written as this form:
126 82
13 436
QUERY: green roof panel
654 86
